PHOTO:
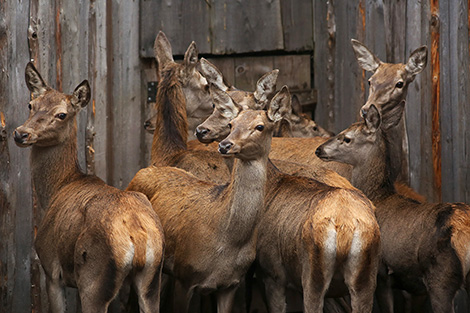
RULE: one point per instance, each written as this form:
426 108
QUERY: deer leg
181 297
148 284
56 295
275 295
225 299
384 293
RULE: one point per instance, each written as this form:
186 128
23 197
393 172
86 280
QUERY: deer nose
146 124
318 152
225 146
19 136
201 131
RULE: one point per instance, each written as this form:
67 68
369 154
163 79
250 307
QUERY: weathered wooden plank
297 25
246 26
249 69
324 64
126 88
294 71
182 21
19 187
395 28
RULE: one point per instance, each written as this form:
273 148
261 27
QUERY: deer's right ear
265 86
280 105
296 106
81 95
212 74
34 80
162 50
366 59
223 102
372 119
417 61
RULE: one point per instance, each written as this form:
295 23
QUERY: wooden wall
109 42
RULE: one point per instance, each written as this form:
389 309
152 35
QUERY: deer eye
29 106
206 88
347 140
230 125
399 85
259 128
315 128
61 116
368 82
213 105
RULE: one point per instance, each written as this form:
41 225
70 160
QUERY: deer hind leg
225 299
384 292
182 295
275 295
360 274
56 295
148 285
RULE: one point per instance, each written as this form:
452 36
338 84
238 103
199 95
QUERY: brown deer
298 124
425 247
211 229
313 236
93 237
294 124
193 84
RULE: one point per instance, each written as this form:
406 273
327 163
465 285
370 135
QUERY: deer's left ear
81 95
417 61
280 105
190 56
265 86
34 80
372 119
366 59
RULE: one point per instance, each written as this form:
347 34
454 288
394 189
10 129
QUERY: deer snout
201 133
149 126
22 136
225 146
319 152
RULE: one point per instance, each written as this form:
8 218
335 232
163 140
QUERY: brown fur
93 237
200 218
435 260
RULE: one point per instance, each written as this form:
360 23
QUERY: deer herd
304 210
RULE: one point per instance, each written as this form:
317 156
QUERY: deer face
362 140
389 83
228 103
251 131
195 86
302 126
52 114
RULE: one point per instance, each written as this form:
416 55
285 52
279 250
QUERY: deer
211 229
425 246
313 236
298 124
193 84
93 237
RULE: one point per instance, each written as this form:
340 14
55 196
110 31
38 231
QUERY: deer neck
373 176
248 187
52 167
171 132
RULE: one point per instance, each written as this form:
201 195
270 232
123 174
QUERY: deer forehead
250 118
52 100
388 74
245 99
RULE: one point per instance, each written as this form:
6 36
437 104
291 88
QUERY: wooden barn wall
104 41
437 110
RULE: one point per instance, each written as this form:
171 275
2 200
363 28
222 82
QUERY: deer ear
162 50
280 105
34 80
366 59
417 61
296 106
223 102
212 74
265 86
392 117
81 95
190 56
372 119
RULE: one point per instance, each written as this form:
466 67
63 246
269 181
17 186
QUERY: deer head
298 124
51 119
228 104
389 82
251 131
195 86
363 142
